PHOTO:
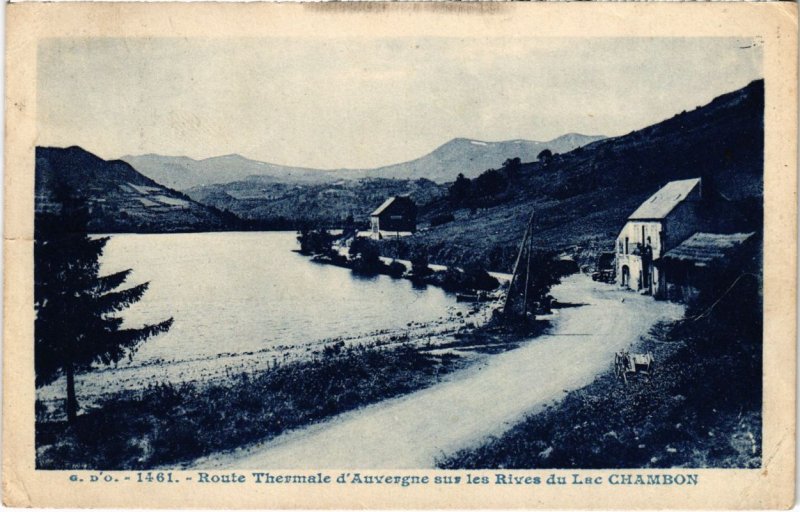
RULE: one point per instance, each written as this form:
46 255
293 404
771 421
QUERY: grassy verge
702 408
168 425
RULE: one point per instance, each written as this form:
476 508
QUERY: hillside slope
268 205
470 157
120 199
582 199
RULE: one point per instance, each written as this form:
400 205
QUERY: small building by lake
397 216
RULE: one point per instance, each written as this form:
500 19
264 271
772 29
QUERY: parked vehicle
605 271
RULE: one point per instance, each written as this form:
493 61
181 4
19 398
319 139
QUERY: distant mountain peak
461 155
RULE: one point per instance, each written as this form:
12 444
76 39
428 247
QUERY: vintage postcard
400 255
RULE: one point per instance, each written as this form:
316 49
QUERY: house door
626 276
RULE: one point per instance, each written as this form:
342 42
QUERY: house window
626 245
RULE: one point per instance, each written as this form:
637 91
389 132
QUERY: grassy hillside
582 198
281 205
472 157
120 199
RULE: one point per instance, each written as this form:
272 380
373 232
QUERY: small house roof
386 204
702 249
383 206
660 204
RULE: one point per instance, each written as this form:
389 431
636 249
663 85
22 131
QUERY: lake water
235 293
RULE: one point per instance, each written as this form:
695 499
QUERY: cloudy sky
358 103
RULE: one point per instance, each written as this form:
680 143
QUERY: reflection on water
242 292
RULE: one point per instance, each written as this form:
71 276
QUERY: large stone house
662 222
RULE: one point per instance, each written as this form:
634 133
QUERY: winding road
412 431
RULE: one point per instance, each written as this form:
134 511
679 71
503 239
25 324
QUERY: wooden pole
514 274
515 271
527 270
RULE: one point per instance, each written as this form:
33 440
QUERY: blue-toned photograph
399 253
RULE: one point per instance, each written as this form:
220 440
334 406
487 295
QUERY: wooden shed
397 216
702 257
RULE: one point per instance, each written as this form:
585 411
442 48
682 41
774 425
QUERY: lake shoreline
173 424
254 395
245 302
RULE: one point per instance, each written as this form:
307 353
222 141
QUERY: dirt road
414 430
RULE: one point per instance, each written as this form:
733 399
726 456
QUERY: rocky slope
120 199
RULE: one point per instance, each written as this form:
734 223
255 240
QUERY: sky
365 103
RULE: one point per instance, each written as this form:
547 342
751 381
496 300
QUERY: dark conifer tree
75 306
460 190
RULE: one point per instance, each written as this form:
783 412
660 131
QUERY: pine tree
75 307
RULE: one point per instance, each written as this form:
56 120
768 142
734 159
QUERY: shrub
315 242
419 263
396 269
472 278
443 218
477 278
366 257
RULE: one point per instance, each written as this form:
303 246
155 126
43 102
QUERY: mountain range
467 156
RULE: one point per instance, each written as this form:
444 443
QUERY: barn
701 259
397 216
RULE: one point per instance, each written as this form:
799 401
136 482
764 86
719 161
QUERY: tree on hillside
489 183
544 156
511 167
460 190
76 322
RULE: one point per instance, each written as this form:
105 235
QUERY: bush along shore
175 424
700 408
364 257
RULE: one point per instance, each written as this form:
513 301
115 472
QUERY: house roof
386 204
702 249
383 206
660 204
